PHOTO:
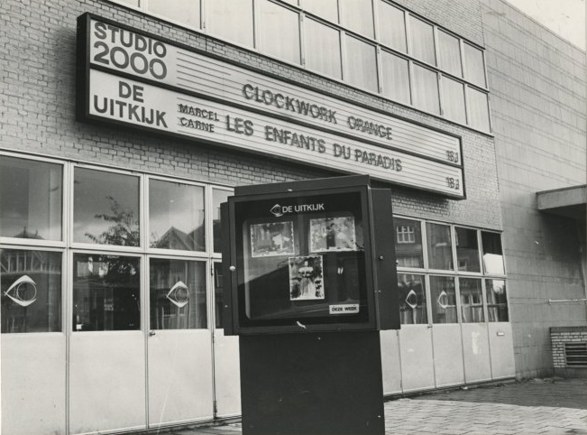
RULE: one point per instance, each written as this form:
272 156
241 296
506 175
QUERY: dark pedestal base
314 384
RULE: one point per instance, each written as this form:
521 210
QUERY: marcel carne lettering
285 102
197 112
128 110
291 138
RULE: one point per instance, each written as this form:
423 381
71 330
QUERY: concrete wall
537 84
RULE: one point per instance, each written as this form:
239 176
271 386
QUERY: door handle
152 333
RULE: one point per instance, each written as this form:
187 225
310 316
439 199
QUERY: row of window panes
406 69
443 292
472 248
107 211
106 207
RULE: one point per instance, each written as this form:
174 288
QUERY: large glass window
358 16
361 64
30 199
106 208
279 31
395 77
106 293
467 250
453 99
449 51
439 247
31 290
471 300
231 20
497 302
492 253
392 26
408 243
323 49
327 9
218 197
474 66
443 297
185 12
478 109
426 89
422 41
178 294
412 299
176 216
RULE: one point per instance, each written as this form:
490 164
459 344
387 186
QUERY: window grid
373 40
454 272
144 253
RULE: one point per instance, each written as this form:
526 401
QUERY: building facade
126 123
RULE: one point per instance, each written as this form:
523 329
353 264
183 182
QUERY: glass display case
303 260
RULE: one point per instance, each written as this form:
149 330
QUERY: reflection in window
361 64
392 26
467 250
474 67
471 300
412 299
218 197
327 9
178 294
450 53
30 199
395 77
453 100
408 247
492 253
323 49
106 293
426 90
422 41
185 12
279 30
439 247
478 109
106 208
497 302
358 16
443 297
218 295
176 216
31 291
231 20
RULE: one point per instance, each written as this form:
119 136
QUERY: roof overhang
569 201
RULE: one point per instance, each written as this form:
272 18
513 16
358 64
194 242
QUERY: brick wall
558 338
37 96
537 84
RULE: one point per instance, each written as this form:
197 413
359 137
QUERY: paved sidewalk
545 407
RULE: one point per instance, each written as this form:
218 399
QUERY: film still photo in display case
302 259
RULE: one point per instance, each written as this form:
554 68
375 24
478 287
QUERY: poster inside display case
304 260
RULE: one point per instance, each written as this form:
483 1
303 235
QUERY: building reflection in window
408 243
439 247
106 293
176 216
30 199
31 291
443 296
492 253
177 294
471 300
467 250
497 302
412 299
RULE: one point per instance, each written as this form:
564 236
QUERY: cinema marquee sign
130 78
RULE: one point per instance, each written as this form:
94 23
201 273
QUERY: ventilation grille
576 354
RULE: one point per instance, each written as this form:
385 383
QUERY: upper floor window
422 41
405 234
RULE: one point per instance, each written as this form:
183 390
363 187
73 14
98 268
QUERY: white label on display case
344 309
183 92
